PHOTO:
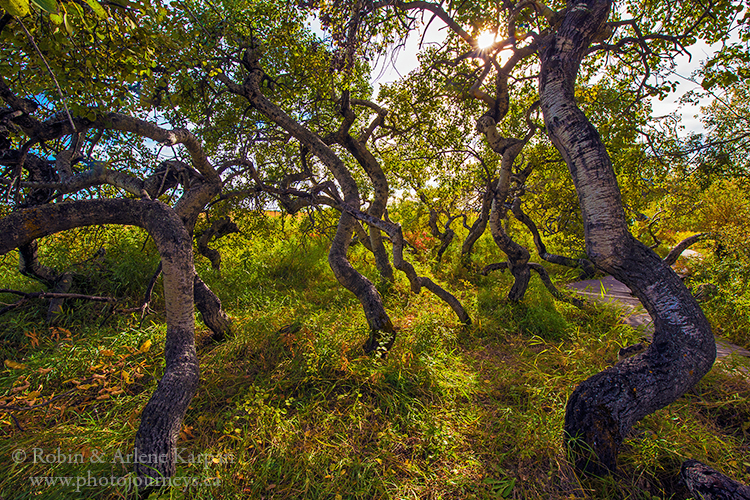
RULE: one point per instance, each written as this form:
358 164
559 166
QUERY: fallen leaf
34 339
21 387
44 371
107 352
14 366
145 346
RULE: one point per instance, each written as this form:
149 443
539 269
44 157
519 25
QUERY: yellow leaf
83 387
107 352
32 395
126 377
103 396
146 346
14 366
18 8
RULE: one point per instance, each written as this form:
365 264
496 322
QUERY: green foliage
290 408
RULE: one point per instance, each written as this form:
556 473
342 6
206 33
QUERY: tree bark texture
706 483
381 327
477 229
161 419
603 408
212 313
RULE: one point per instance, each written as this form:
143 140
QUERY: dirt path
609 290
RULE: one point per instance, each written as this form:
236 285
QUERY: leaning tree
275 78
555 45
86 155
86 149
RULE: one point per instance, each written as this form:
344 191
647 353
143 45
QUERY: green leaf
49 6
18 8
97 8
56 18
67 25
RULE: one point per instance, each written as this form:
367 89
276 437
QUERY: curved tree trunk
161 419
29 265
446 237
477 229
212 313
603 408
706 483
218 229
382 332
518 256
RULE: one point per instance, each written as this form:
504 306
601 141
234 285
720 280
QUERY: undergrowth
290 408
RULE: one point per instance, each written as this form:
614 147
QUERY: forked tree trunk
382 332
156 438
518 256
603 408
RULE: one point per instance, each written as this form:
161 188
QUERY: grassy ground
289 408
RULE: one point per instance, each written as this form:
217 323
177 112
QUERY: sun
486 39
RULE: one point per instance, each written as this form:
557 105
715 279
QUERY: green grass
452 412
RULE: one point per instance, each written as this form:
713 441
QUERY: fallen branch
51 295
36 407
26 296
9 408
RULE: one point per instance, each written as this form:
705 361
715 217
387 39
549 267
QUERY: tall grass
290 408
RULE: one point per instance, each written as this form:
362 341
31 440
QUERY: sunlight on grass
290 408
